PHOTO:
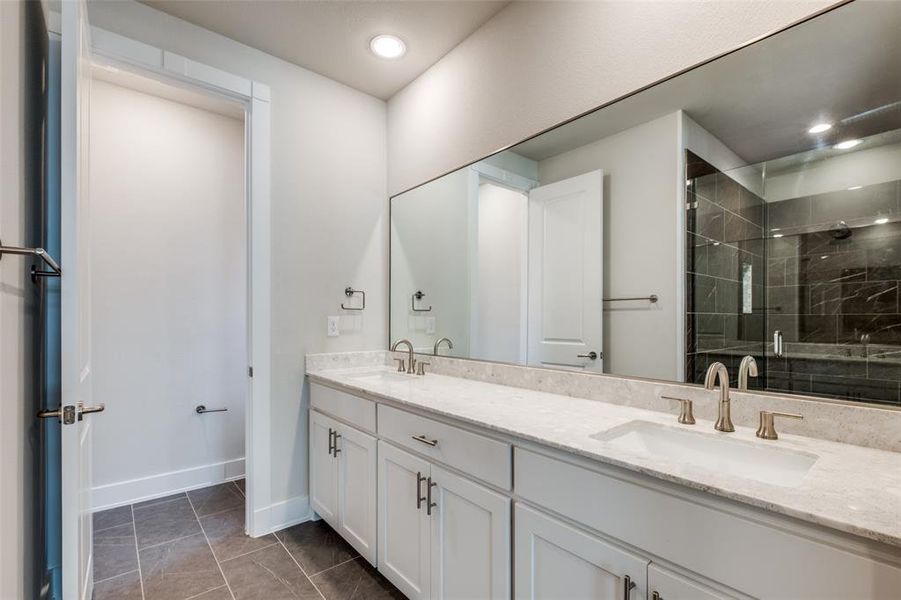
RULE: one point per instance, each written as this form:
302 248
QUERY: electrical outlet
333 329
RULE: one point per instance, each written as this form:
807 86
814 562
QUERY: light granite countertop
849 488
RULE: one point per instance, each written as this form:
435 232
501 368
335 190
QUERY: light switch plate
333 329
430 324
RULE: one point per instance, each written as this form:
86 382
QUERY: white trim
680 255
255 96
130 491
286 513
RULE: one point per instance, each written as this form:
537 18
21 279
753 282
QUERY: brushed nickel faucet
748 367
411 362
717 373
450 344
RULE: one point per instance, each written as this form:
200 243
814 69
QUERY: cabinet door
357 480
555 560
323 468
470 539
666 585
403 525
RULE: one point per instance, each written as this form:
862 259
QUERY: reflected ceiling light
820 128
777 235
854 187
881 221
847 144
387 46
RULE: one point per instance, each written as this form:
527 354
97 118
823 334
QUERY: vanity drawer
474 454
347 407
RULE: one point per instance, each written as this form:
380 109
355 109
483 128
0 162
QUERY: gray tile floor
193 546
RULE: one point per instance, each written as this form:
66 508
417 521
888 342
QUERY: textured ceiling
332 37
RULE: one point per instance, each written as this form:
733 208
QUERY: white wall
429 253
535 64
641 199
23 41
169 293
329 216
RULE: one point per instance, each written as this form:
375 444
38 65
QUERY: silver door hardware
767 427
686 412
200 409
419 496
778 347
591 355
66 414
331 444
335 448
55 270
652 298
656 596
423 439
250 371
628 586
429 504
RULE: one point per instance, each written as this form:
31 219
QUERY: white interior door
566 273
76 304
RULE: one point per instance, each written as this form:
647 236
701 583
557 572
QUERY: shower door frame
255 98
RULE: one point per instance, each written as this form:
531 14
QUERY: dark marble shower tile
775 270
863 298
831 268
783 247
704 292
728 192
884 262
805 328
722 261
885 364
752 327
705 186
809 365
825 298
728 296
788 382
847 205
753 208
697 254
737 229
873 329
855 388
711 220
788 213
112 517
788 299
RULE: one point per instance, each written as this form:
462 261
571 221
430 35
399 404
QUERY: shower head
841 231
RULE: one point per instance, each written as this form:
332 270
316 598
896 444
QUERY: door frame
255 97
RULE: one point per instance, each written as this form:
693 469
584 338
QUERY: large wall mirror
748 207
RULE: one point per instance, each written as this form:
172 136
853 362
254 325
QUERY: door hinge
250 371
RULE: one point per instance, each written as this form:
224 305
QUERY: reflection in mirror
749 207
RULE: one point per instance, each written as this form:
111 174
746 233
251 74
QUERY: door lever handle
591 355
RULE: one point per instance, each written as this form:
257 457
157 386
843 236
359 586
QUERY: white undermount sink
381 376
718 453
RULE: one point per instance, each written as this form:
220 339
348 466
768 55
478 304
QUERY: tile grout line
96 581
213 552
207 592
344 562
231 558
313 583
134 527
179 538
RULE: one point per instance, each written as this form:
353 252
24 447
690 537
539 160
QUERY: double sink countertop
848 488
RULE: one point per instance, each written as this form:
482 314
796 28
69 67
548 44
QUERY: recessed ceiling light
820 128
777 235
847 144
388 46
854 187
881 221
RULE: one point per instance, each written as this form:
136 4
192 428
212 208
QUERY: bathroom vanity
456 488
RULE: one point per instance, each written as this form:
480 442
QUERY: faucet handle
400 365
686 412
767 428
421 367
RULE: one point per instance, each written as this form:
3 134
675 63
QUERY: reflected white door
566 273
76 303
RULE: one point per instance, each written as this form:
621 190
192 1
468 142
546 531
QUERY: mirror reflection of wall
749 207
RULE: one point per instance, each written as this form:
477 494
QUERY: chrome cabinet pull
628 586
429 504
419 496
331 446
425 440
336 449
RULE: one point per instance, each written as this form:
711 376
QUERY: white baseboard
283 514
164 484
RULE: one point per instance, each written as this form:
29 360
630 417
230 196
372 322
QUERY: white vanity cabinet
343 481
441 536
556 560
664 584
